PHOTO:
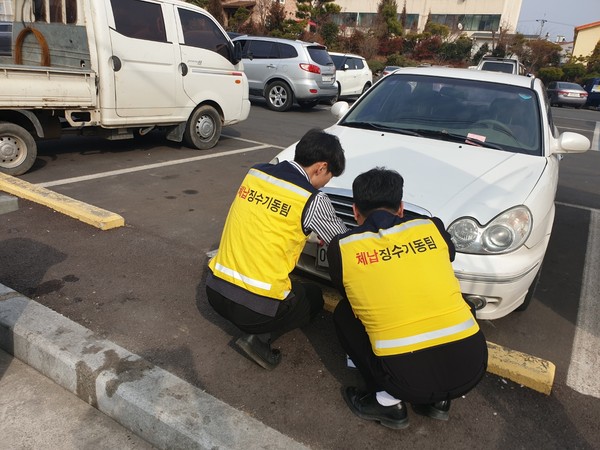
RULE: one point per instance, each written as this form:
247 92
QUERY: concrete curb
531 371
156 405
98 217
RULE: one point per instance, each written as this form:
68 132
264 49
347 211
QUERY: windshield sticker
525 96
477 137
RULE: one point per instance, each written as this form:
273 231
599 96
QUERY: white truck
114 68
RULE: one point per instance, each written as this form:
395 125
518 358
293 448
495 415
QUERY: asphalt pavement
137 293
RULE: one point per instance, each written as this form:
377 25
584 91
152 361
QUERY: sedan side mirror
339 109
570 142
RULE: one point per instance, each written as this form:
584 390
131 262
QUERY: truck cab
116 68
505 65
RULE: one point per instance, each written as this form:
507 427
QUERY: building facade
467 16
586 38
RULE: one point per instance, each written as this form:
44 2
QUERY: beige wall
585 41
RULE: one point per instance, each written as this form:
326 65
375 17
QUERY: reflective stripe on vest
424 337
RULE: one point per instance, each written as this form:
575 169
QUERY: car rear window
569 86
498 67
287 51
338 60
319 55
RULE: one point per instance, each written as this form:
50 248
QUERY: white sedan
478 150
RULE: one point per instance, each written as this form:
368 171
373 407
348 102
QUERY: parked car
476 149
592 87
505 65
353 75
562 93
283 71
389 69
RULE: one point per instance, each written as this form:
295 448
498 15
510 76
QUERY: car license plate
322 262
572 94
327 79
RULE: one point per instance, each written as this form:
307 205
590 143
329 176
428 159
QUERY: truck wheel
279 96
18 149
203 128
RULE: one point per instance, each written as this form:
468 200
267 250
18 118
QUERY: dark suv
283 71
592 86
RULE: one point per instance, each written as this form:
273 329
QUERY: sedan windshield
491 115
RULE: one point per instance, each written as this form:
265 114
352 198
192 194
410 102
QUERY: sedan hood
447 179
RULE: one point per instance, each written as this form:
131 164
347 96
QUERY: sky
561 16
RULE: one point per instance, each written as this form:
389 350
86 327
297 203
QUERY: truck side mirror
237 52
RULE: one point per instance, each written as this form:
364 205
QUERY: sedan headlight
505 233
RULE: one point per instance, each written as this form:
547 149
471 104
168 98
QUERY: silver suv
283 71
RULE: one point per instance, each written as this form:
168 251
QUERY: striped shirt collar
300 169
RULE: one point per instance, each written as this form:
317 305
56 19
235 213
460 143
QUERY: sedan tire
530 292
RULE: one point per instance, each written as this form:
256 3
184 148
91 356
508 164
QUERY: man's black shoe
366 406
437 410
259 351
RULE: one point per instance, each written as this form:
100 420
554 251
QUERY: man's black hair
378 188
316 146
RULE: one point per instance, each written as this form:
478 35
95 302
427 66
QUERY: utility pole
543 22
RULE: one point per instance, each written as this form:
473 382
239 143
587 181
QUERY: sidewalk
37 413
151 402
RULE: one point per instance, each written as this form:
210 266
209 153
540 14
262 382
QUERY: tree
436 29
548 74
593 65
403 17
483 50
239 21
329 32
457 51
573 72
319 11
275 18
428 48
541 54
387 15
215 7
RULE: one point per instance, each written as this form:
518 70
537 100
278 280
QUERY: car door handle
183 69
271 66
115 63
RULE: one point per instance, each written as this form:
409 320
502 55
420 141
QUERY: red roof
588 25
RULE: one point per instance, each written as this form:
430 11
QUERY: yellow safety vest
401 286
263 237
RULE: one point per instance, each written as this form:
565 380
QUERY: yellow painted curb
97 217
530 371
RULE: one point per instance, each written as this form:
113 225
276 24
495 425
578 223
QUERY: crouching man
402 319
274 211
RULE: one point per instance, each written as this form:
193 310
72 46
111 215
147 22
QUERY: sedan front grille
343 209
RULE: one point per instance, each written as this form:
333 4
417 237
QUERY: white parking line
596 139
585 356
111 173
